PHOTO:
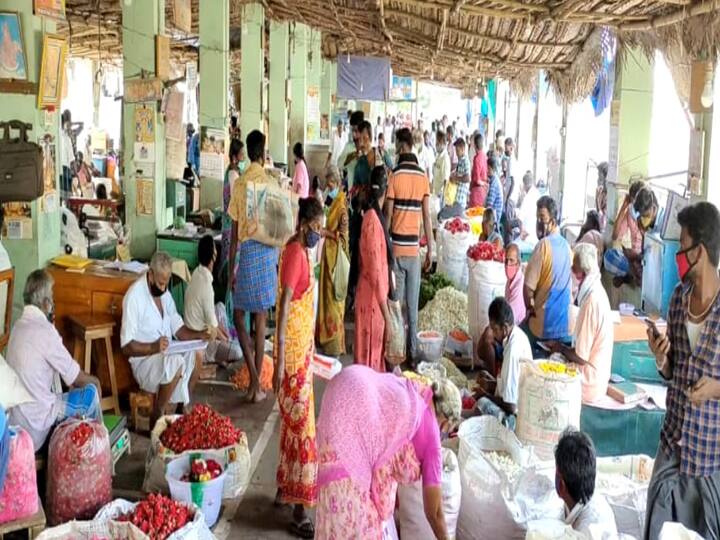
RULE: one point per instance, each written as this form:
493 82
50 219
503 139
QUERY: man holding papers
150 321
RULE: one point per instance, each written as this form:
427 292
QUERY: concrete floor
252 516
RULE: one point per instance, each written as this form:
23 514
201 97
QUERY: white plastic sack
237 458
486 281
411 513
552 529
547 404
493 506
77 530
452 256
194 530
628 500
676 531
434 210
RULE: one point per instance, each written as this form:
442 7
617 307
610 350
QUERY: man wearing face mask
150 320
594 330
37 354
547 277
686 476
516 347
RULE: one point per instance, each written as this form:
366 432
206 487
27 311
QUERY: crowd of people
368 215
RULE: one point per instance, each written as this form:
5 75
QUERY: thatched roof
456 42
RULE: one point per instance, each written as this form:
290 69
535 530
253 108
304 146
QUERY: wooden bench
34 524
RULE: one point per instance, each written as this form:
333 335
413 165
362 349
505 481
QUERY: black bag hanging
21 165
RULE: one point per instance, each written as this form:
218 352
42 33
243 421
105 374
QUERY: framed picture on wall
55 9
52 71
13 61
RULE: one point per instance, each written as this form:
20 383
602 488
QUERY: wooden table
96 291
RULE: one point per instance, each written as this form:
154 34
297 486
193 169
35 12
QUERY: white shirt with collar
595 519
515 349
528 213
142 321
36 353
200 301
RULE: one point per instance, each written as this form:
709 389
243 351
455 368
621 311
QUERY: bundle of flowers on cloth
156 517
202 429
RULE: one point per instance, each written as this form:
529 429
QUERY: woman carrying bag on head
334 264
292 379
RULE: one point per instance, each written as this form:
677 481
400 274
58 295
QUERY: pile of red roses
457 225
486 251
159 516
202 429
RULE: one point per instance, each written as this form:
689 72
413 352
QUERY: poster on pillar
175 158
213 143
145 124
17 223
174 108
144 196
313 113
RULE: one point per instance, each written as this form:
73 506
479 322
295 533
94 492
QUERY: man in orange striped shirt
407 208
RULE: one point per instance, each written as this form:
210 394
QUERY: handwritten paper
144 197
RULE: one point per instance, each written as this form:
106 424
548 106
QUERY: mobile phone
544 346
653 327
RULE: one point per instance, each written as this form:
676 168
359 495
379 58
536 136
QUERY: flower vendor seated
489 351
201 313
585 512
516 347
490 229
36 353
149 322
594 328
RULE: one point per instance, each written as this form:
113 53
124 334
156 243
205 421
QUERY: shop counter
618 433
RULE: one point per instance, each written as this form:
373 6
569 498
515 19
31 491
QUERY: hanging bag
21 164
271 212
340 275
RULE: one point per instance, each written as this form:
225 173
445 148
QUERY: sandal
303 529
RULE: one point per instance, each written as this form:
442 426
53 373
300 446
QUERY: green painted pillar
299 37
277 103
314 76
252 70
328 88
214 82
630 118
30 254
142 21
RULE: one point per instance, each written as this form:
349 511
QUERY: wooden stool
34 524
86 329
141 407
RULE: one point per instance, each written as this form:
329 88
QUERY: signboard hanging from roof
402 89
363 77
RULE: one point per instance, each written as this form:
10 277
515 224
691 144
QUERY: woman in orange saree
331 311
292 380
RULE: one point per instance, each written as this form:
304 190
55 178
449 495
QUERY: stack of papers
181 347
133 266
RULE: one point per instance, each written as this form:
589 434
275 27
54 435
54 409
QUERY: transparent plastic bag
396 337
19 496
79 479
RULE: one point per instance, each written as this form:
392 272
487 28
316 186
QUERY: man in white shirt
37 355
67 153
339 138
425 160
150 320
441 168
575 472
201 311
503 403
528 210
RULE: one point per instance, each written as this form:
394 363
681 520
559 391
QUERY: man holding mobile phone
686 478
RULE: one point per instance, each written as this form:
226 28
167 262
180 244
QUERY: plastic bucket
431 344
205 495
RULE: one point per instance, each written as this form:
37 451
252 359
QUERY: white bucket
205 495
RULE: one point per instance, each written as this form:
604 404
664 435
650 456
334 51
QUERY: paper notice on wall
313 113
613 154
212 152
175 159
17 224
49 202
144 196
145 124
174 116
144 152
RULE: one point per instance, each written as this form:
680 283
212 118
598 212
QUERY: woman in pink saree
377 430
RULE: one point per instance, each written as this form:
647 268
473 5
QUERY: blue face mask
334 192
242 166
312 238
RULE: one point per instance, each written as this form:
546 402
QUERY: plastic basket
431 345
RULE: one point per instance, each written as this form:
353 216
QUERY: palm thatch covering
456 42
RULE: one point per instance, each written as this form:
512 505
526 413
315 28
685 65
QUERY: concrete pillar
214 82
32 253
299 34
142 21
314 76
630 120
252 69
277 102
711 176
328 87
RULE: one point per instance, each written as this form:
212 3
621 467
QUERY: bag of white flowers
503 485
